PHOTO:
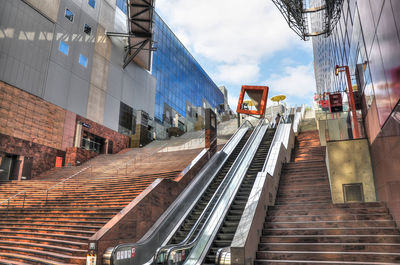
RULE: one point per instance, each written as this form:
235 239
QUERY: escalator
228 228
189 205
212 223
193 216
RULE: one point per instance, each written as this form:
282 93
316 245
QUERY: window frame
60 50
65 15
81 56
94 3
84 28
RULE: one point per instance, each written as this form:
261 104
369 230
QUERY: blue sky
243 43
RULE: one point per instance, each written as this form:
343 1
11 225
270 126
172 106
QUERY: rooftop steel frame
301 15
140 33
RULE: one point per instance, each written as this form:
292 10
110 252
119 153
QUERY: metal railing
63 182
13 197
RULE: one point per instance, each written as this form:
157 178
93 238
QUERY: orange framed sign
258 96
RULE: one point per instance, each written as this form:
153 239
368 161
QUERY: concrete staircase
56 230
305 227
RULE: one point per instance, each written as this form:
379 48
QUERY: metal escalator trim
207 234
156 234
273 142
169 248
226 145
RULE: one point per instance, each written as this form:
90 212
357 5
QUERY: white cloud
233 34
296 82
238 73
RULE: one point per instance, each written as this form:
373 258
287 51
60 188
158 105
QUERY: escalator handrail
238 129
111 251
271 147
182 246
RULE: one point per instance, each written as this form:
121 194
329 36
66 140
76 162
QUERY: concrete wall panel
95 106
78 95
25 42
114 82
350 162
99 72
62 21
129 89
57 85
90 11
103 43
56 55
106 18
48 7
111 112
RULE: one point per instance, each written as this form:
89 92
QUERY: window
121 4
63 47
69 15
87 29
83 60
92 3
127 119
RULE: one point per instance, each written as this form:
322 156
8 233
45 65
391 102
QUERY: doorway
9 167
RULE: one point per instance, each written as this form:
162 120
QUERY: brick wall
120 141
30 118
44 157
75 154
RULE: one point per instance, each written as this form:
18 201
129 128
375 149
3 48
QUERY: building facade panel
78 95
373 56
25 46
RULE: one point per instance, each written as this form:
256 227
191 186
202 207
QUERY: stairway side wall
350 162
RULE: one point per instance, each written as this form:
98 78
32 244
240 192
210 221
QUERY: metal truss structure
140 33
310 18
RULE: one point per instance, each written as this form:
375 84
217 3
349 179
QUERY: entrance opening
92 142
9 167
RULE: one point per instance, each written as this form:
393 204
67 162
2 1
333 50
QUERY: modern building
65 94
183 88
367 40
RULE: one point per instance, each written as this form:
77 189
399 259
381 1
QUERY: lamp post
338 69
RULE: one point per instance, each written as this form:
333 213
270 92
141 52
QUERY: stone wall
119 141
44 157
25 116
76 156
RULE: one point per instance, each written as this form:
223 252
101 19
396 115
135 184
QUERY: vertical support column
211 131
21 166
356 130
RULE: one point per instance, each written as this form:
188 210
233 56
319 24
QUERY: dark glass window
127 119
87 29
69 15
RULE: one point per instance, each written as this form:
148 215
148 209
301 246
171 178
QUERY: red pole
352 105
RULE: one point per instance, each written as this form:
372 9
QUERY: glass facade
367 39
180 78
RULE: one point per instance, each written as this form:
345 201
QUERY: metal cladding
310 18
